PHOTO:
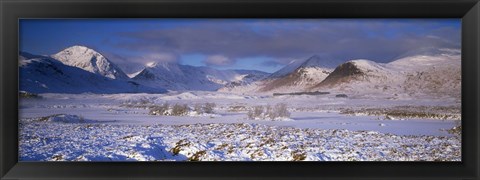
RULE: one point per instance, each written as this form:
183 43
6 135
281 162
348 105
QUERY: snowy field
119 127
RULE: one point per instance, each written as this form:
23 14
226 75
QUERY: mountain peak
318 61
78 53
313 61
151 64
89 60
79 49
163 64
354 70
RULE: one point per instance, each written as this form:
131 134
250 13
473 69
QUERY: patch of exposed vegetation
457 130
160 110
179 110
401 112
57 157
298 155
178 146
25 94
197 156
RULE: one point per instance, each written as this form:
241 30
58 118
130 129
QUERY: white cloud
161 57
218 60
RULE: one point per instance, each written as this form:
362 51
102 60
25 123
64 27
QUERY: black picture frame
467 10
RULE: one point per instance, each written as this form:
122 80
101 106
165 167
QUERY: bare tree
281 110
270 113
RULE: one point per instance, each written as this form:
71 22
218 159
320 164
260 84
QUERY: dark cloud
284 40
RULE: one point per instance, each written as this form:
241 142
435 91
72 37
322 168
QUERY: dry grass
24 94
399 112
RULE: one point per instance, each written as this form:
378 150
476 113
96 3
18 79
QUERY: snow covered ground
118 127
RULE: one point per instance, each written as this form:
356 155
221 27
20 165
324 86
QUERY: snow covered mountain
360 77
433 74
89 60
246 77
79 69
436 75
310 72
174 76
41 74
296 76
356 70
314 61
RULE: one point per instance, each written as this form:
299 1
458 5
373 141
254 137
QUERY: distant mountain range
174 76
79 69
433 74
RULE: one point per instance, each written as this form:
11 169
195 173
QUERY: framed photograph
250 89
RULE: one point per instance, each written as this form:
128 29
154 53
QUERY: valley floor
321 128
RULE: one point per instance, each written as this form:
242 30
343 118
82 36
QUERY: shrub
457 130
208 108
160 110
198 108
256 112
270 113
237 108
281 110
205 108
250 114
260 112
180 110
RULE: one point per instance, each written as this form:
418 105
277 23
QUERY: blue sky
261 44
